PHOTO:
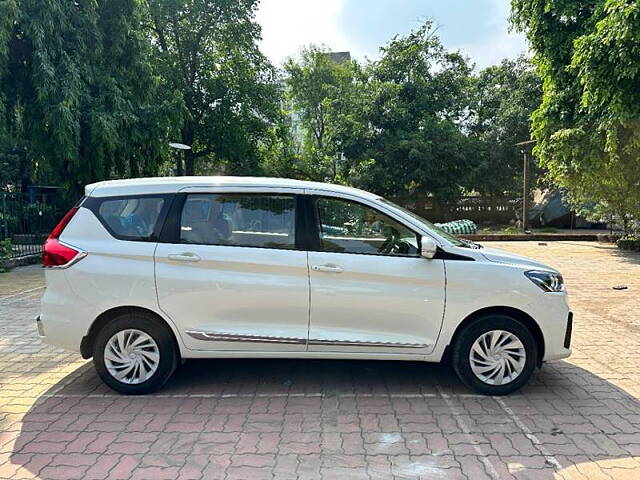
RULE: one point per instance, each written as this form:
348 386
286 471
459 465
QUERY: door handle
327 268
184 257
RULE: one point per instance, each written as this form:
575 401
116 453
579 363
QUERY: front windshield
427 224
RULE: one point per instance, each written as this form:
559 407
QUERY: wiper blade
471 244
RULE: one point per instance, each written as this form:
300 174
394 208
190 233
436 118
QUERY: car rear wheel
134 354
495 355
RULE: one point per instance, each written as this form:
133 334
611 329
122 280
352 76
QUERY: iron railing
25 221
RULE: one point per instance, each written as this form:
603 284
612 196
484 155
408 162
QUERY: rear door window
252 220
131 218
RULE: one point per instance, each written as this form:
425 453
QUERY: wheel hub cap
497 357
131 356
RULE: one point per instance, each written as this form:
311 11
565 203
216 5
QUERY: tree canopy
78 93
502 99
414 123
588 56
206 51
97 90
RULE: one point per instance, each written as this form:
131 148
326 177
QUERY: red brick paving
278 419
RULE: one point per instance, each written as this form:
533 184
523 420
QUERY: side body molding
229 337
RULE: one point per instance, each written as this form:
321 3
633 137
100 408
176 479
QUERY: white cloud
288 25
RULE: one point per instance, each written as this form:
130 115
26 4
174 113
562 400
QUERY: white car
144 273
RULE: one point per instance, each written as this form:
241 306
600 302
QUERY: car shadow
80 416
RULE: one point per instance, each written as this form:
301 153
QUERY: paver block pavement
280 419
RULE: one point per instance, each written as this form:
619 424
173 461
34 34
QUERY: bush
6 249
629 243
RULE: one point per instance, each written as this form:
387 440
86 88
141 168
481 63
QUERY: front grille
567 335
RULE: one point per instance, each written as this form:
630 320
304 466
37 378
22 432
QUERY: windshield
427 224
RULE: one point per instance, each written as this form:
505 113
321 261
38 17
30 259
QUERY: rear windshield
131 218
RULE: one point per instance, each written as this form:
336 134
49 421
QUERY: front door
231 276
371 291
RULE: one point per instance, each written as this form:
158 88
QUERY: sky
478 28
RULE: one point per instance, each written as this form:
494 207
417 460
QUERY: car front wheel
495 355
134 354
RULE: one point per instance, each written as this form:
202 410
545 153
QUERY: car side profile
144 273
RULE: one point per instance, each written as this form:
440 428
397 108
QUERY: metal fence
480 210
25 221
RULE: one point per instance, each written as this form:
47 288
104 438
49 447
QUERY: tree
317 87
418 98
206 51
587 53
78 97
393 126
503 98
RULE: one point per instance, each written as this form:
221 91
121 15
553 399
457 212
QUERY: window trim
315 225
93 204
171 229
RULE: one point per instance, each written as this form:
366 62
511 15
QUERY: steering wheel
390 245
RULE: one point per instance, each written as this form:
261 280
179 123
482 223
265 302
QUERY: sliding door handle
327 268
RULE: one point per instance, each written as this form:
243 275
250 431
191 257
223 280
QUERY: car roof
144 186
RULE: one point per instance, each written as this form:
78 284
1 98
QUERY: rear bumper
61 322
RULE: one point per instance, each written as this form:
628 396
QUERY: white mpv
144 273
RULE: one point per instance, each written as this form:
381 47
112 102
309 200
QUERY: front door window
351 227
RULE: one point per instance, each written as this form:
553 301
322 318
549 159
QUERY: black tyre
135 354
494 355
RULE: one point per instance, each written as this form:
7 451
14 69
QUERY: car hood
500 256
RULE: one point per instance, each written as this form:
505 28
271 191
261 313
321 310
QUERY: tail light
57 254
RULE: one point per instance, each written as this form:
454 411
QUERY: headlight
547 281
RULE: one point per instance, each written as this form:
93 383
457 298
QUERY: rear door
230 272
371 291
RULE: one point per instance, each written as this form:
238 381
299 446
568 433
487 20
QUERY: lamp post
525 181
179 147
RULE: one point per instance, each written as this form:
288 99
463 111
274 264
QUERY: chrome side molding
358 343
234 337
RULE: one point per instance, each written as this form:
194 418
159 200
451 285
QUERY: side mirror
428 247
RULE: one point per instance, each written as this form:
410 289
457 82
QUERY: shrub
629 243
6 249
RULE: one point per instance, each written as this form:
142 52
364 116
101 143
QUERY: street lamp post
525 181
179 147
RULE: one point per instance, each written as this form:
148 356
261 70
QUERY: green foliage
394 126
588 55
503 97
6 249
419 95
629 243
319 90
80 101
96 90
206 52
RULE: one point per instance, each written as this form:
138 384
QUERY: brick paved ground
328 419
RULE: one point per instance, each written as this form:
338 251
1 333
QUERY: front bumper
569 331
40 327
555 319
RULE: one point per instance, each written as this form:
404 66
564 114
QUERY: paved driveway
335 419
